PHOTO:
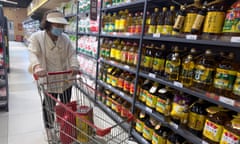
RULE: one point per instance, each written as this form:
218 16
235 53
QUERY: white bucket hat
56 17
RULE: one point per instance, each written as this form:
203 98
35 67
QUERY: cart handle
36 77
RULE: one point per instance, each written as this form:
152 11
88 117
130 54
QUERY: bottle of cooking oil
187 70
138 28
148 20
135 54
111 25
103 48
108 49
129 21
153 21
115 74
159 60
199 20
142 117
123 19
151 99
204 71
105 22
147 84
118 51
177 27
132 54
225 76
169 21
148 58
173 64
192 11
117 21
214 21
114 49
160 22
124 54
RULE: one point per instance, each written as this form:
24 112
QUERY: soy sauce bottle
159 60
142 117
148 58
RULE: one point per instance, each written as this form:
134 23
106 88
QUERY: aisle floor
23 123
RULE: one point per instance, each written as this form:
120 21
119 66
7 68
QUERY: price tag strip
174 125
152 75
157 35
178 84
235 39
191 37
147 109
227 100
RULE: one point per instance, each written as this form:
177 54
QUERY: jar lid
236 123
213 110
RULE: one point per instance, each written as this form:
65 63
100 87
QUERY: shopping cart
80 120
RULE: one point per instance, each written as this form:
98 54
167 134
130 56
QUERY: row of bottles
115 102
216 73
210 19
123 22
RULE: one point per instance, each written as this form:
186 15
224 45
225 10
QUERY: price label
226 100
178 84
157 35
204 142
112 62
174 125
109 86
147 109
114 33
126 66
191 37
152 75
235 39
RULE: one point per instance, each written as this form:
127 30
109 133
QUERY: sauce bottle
161 19
118 51
132 54
204 71
164 101
187 71
110 70
129 21
159 60
160 134
192 11
132 86
127 82
125 52
121 78
125 109
135 53
148 58
231 131
214 124
225 76
114 49
140 121
148 128
139 23
147 84
114 102
169 21
173 63
151 99
108 98
108 49
119 103
197 117
214 21
178 25
115 75
153 21
199 20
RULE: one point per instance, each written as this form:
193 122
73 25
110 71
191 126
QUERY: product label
113 53
172 68
203 75
107 53
147 132
224 79
126 87
130 58
122 24
214 22
111 27
155 138
124 56
167 30
158 64
212 131
114 106
138 29
179 22
229 138
147 63
159 29
135 61
108 102
236 87
132 88
118 54
117 24
139 125
151 29
120 83
178 111
109 78
198 22
232 20
189 20
105 29
160 106
143 95
151 100
114 81
196 121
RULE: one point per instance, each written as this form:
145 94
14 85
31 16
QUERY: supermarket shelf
135 3
117 35
219 100
87 55
138 137
119 65
188 41
88 33
116 91
176 128
70 33
70 15
88 75
113 116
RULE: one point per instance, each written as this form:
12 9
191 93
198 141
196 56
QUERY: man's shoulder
37 33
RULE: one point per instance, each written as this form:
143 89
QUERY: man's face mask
57 31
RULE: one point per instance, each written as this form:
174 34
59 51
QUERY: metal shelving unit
88 33
136 3
115 35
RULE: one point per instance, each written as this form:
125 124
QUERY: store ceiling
20 3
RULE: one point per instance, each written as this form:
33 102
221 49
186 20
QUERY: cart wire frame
78 121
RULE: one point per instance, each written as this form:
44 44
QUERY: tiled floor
23 123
